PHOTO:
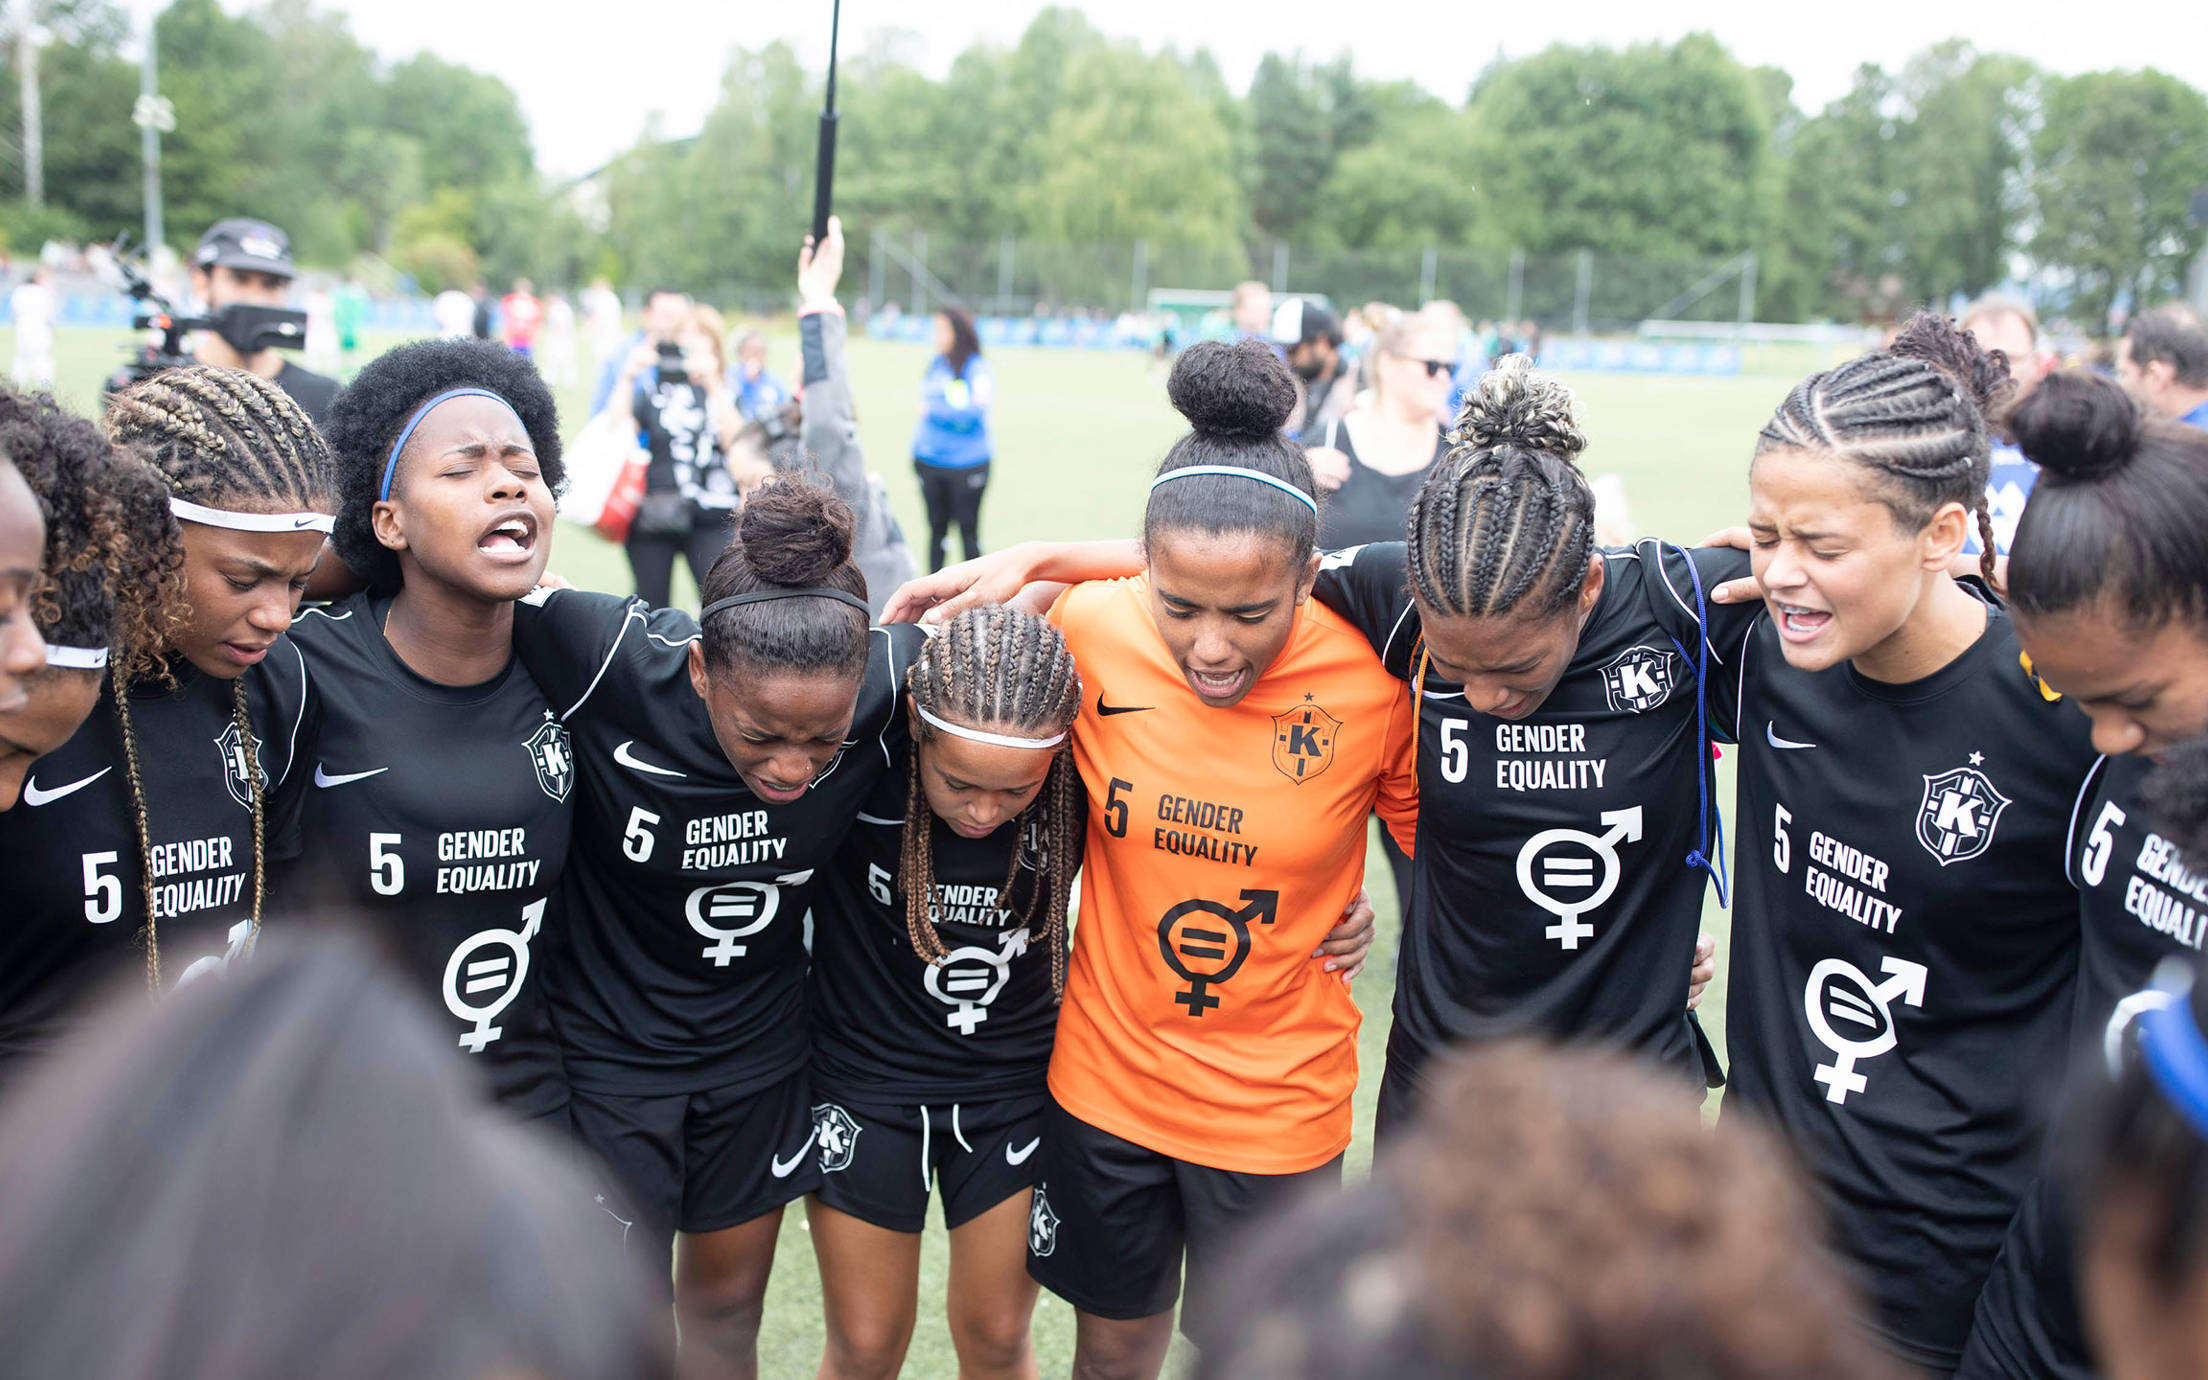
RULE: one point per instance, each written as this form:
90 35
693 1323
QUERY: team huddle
773 904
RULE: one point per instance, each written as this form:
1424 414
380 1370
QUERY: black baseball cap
1299 322
253 246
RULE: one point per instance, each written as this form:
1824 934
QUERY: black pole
824 171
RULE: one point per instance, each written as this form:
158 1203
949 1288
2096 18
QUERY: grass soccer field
1077 435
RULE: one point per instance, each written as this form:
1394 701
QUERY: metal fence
1579 292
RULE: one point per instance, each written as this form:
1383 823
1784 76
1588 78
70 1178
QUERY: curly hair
1558 1214
1505 517
375 407
1919 413
112 547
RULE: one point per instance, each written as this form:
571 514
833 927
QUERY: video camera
248 328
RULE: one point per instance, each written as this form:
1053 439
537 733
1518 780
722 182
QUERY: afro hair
112 547
375 407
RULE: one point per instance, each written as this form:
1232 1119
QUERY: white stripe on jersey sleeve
1663 577
1388 647
291 744
635 616
896 701
1740 683
2070 839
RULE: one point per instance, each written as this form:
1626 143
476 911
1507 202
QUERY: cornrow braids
1002 670
1505 523
1917 413
227 439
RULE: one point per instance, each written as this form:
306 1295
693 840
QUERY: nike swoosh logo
1020 1155
1107 710
1771 735
301 524
783 1171
630 760
33 796
324 779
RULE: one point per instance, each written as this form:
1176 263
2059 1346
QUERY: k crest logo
1303 741
837 1135
232 747
553 757
1042 1224
1640 678
1955 820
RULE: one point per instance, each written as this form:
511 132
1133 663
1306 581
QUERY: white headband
1239 472
975 735
76 658
252 522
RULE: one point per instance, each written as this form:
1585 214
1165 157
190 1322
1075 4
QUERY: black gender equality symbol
1226 948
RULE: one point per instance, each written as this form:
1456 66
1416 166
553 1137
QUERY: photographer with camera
673 392
241 274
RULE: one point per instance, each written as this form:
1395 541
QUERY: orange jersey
1222 845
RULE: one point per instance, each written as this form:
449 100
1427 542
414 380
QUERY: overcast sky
589 80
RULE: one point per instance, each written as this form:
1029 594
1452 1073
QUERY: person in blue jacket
951 447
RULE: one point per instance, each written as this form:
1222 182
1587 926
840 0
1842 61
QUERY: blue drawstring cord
1708 818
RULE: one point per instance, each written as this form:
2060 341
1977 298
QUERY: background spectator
2162 360
951 447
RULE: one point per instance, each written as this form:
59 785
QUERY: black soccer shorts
698 1162
1111 1221
880 1163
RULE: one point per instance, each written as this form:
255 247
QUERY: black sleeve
1370 586
1679 601
571 641
294 722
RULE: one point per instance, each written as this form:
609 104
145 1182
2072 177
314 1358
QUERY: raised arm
829 436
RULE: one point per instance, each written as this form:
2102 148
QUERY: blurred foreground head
282 1173
2138 1158
1557 1216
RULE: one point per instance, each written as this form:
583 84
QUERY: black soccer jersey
1551 893
2138 904
440 813
69 852
685 893
1904 952
890 1027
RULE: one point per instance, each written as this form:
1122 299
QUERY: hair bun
2078 425
1232 389
795 532
1515 405
1934 338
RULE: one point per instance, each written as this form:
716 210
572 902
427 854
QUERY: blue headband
1238 472
2177 1060
391 465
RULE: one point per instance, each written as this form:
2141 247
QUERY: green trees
1957 171
2118 155
281 113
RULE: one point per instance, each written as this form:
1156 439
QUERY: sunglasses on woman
1435 368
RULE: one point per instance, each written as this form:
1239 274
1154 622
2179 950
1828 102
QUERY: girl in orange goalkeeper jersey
1233 738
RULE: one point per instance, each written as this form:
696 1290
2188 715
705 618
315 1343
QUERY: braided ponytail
1916 412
